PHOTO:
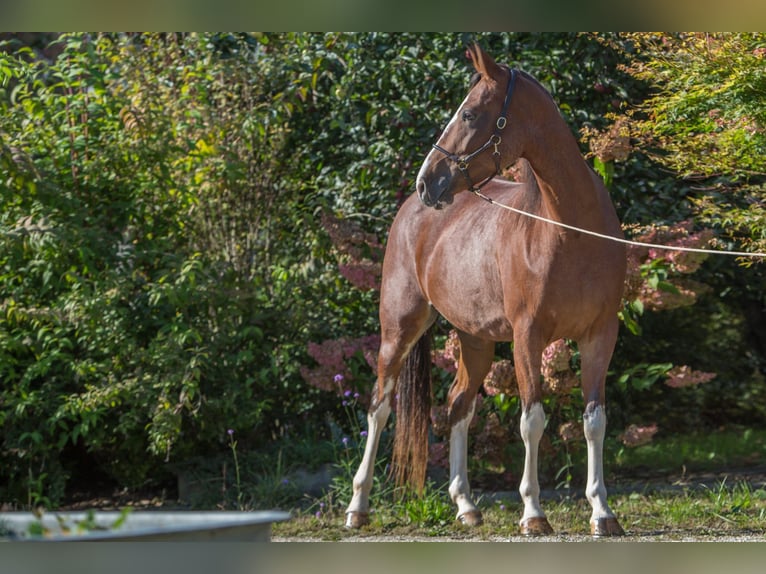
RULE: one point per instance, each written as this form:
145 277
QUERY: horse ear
483 62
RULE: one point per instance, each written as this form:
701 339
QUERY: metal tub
139 526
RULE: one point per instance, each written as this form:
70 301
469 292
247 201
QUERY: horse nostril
420 187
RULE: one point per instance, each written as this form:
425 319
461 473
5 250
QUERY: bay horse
496 276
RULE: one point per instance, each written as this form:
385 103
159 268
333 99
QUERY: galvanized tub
139 526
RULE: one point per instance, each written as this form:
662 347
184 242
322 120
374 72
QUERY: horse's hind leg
596 353
398 336
475 362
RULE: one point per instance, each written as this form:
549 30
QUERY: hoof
471 518
606 527
357 519
535 526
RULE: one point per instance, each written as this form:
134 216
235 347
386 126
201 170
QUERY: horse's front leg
527 354
596 354
602 521
358 511
533 522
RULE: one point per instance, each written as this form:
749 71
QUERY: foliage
137 269
192 225
705 121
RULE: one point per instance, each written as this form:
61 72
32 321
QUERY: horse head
475 145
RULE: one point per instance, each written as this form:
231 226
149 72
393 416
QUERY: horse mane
523 172
535 81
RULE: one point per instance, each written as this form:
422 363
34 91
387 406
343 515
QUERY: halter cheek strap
494 140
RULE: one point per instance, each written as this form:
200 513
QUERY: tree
706 121
701 126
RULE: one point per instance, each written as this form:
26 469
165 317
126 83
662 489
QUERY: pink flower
556 357
448 357
636 435
332 357
489 443
438 454
571 431
440 421
558 377
684 376
349 238
501 379
687 262
675 263
362 274
359 252
659 299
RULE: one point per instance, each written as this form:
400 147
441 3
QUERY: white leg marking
594 423
532 426
376 420
459 489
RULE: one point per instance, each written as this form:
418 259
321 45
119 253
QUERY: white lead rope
617 239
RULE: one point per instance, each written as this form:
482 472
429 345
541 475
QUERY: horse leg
475 361
396 343
527 354
357 513
596 354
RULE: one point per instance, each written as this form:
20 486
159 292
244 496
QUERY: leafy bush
137 277
168 205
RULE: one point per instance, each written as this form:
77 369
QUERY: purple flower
356 395
344 440
230 432
363 434
347 394
285 481
338 378
318 514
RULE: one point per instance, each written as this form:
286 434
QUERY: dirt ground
744 537
755 476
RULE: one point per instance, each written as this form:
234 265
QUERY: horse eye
468 116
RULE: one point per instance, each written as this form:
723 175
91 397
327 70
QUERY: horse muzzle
433 194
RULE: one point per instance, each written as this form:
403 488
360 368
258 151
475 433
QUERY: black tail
413 416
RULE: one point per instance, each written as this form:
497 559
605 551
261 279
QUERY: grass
700 452
722 509
653 491
660 499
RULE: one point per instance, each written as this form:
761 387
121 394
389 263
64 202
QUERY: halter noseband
494 140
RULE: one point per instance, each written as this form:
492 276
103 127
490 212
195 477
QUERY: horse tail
413 416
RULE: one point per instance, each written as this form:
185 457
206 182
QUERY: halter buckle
495 140
501 122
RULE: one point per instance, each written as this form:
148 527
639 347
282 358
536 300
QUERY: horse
496 276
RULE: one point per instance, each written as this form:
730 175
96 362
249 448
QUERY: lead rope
612 238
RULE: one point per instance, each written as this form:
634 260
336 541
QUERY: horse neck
569 191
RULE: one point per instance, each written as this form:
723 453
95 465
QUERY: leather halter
494 140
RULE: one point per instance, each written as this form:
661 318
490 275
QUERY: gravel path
660 537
